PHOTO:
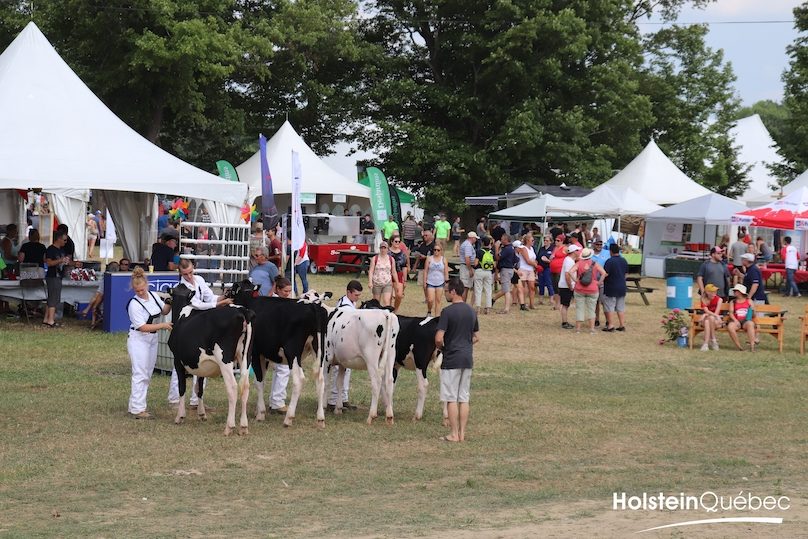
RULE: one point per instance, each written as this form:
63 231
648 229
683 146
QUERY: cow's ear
328 295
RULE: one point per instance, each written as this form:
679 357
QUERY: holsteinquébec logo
708 502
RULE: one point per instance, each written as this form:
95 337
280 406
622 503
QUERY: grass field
559 422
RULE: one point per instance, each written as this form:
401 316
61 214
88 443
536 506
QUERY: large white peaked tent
756 148
57 134
655 177
318 178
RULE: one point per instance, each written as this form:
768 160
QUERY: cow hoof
179 420
415 419
288 421
370 420
321 423
243 431
227 431
203 417
260 417
389 420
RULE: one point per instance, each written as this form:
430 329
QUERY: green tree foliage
794 144
694 107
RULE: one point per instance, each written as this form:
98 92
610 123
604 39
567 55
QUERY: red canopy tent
789 213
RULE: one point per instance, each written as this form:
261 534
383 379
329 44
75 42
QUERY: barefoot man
457 332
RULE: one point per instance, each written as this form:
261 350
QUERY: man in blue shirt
600 256
753 280
614 289
264 272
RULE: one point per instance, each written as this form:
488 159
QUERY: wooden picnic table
353 259
638 287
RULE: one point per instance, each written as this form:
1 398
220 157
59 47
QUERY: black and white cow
210 343
415 350
289 331
365 340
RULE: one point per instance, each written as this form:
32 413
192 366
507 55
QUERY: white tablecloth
72 291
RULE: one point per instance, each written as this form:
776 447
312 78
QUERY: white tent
756 148
712 209
536 209
318 178
794 185
607 200
655 177
56 134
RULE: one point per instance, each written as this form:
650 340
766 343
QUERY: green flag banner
379 196
227 171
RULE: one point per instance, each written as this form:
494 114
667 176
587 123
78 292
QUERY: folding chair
31 284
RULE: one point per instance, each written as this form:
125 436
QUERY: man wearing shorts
457 333
55 259
468 259
614 290
505 263
564 288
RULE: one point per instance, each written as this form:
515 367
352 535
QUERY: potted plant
675 326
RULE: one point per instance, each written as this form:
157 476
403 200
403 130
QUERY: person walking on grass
614 290
458 332
588 276
791 259
505 264
566 284
484 276
741 314
437 275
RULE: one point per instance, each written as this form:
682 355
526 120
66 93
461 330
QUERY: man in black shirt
421 252
368 229
70 247
55 259
32 251
457 333
163 257
497 232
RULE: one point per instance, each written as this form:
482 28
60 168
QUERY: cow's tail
389 353
246 357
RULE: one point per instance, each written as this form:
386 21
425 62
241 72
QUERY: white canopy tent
794 185
756 148
58 135
536 209
694 221
607 200
318 178
655 177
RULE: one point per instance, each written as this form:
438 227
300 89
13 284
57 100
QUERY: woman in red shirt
556 263
741 315
711 320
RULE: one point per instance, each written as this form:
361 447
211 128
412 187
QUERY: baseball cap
517 244
474 235
586 253
598 241
710 287
383 244
572 248
748 256
740 288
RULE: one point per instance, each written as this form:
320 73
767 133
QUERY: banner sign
227 171
298 228
379 196
268 209
395 205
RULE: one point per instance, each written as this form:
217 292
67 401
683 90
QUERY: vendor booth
789 214
678 238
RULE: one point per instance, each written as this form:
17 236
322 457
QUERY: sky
757 51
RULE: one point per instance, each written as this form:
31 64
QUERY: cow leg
423 385
297 385
319 381
260 406
231 389
244 390
340 380
387 389
375 388
200 406
181 388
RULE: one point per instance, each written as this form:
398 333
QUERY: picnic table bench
634 284
353 259
769 319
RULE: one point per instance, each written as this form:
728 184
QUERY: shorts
527 274
585 305
54 285
455 237
402 278
556 279
434 285
505 276
466 277
566 296
379 289
455 385
614 305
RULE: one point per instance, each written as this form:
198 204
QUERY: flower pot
681 341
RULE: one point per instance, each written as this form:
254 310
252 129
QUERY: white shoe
714 345
704 347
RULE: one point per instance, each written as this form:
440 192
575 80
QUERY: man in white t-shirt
791 259
565 288
352 294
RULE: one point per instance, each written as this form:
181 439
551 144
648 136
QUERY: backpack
487 261
586 277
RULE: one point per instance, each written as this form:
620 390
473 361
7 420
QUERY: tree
794 146
694 107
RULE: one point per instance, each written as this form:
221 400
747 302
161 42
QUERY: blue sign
118 291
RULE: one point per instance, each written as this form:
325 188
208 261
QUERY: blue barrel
680 292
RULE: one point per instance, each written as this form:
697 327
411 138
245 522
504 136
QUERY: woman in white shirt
141 344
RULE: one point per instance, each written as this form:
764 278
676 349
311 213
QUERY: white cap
517 244
572 248
748 256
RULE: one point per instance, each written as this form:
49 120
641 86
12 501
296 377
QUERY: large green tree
794 144
694 107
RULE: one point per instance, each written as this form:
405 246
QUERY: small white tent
318 178
607 200
655 177
536 209
756 148
56 134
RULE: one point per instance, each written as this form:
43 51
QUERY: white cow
365 340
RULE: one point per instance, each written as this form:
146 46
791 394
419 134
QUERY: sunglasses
438 250
396 241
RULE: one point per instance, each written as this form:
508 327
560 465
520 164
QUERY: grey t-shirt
459 321
736 251
717 274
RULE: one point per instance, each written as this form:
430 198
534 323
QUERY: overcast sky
757 51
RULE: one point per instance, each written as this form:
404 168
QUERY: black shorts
566 296
515 278
556 278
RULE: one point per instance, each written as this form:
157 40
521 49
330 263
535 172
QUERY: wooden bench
638 288
359 268
803 329
769 319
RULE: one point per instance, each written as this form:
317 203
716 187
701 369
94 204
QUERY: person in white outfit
280 377
352 294
141 344
203 300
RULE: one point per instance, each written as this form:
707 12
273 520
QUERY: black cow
209 343
286 330
415 350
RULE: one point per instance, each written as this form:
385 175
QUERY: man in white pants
280 376
348 301
203 300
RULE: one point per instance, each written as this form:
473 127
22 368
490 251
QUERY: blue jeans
791 284
545 281
301 270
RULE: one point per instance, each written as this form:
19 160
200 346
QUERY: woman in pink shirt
588 275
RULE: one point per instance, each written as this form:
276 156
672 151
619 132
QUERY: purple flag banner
269 212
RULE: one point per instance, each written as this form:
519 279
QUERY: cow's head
243 292
314 297
180 299
374 304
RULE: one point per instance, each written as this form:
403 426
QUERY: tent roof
655 177
756 148
712 209
606 200
533 210
318 177
794 185
57 134
789 213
